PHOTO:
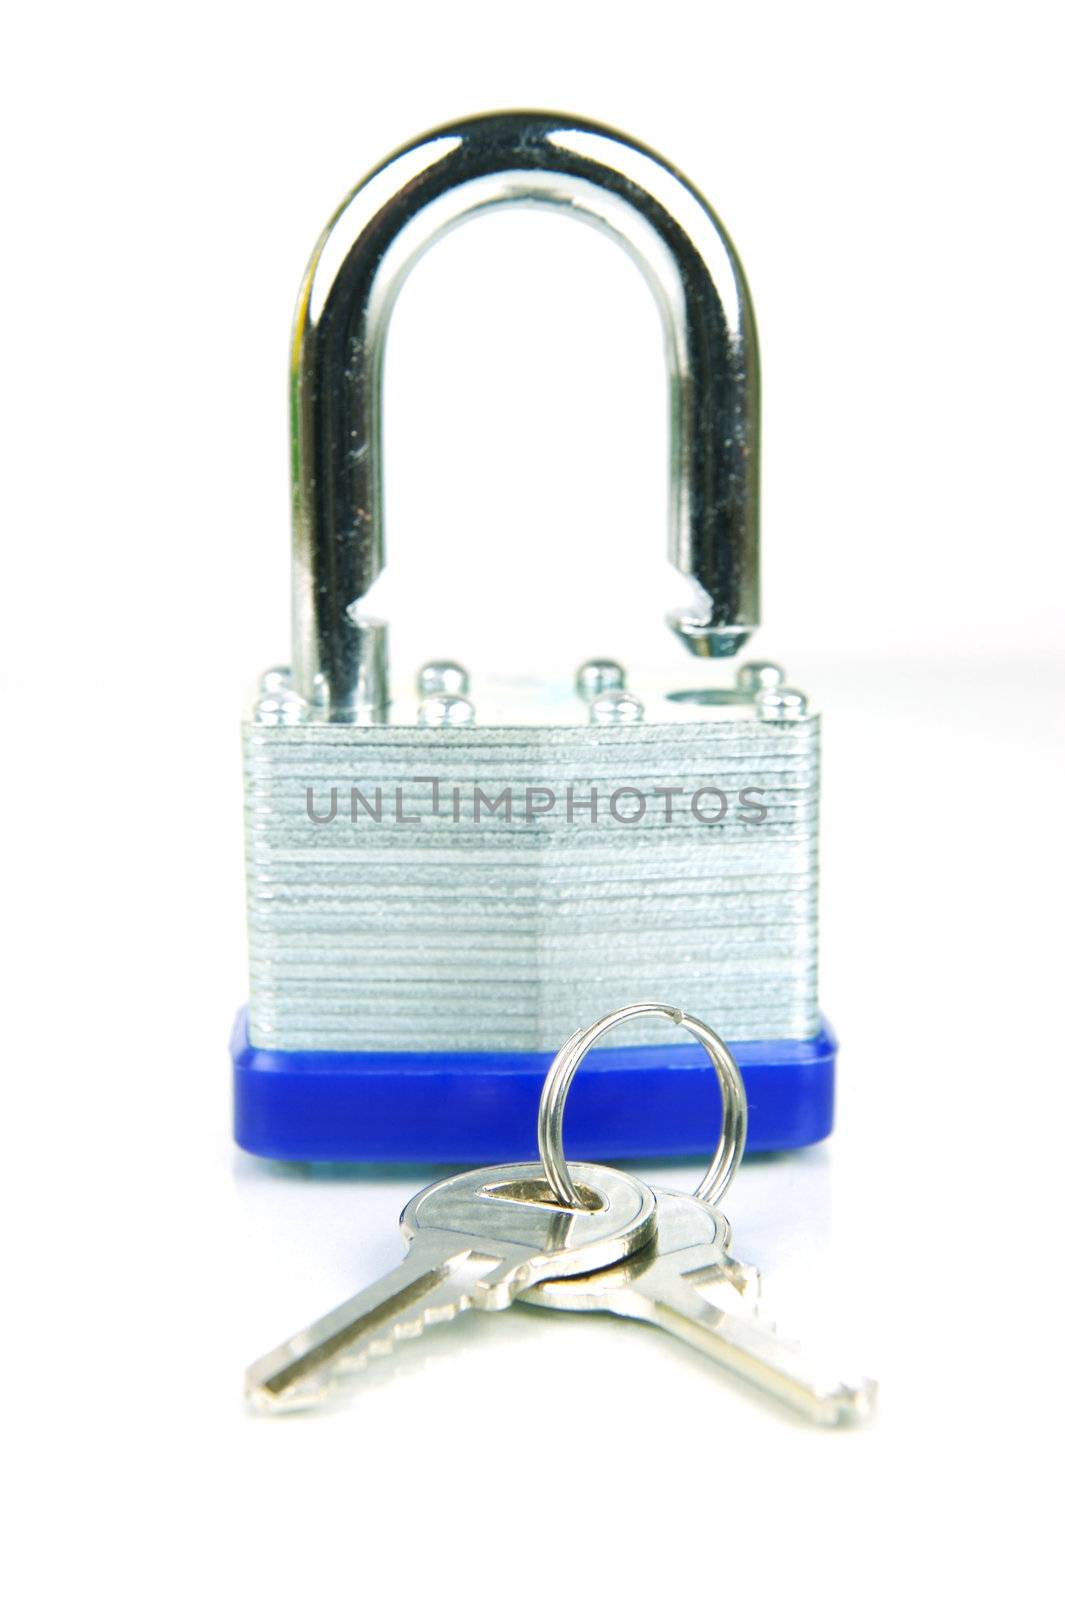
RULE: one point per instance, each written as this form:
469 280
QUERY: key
685 1282
476 1239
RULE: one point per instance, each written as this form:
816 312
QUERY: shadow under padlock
445 879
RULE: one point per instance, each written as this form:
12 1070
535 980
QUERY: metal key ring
730 1145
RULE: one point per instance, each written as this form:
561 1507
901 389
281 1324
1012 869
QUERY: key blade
422 1290
474 1240
686 1283
748 1347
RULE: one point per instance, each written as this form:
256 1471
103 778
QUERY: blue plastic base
480 1107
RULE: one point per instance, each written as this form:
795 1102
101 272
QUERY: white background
891 176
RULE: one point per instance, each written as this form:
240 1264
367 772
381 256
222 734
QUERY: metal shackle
361 260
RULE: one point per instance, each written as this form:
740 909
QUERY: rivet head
780 705
276 680
445 711
755 675
443 678
280 709
597 676
614 707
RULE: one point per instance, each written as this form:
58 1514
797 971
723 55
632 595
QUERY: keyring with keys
605 1242
685 1280
731 1142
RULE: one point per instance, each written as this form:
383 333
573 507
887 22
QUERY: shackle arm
358 266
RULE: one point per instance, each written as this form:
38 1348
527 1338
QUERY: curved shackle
360 262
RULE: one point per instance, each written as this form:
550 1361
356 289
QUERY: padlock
445 880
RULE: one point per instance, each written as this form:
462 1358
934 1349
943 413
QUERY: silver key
686 1282
474 1240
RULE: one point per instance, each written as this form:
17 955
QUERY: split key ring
733 1137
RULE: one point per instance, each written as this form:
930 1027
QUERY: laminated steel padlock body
444 880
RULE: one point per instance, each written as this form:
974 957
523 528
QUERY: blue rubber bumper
480 1107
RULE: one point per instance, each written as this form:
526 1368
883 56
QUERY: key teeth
313 1392
844 1404
408 1328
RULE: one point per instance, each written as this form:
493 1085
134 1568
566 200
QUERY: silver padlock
443 879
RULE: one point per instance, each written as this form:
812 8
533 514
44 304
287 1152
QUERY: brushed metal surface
455 934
